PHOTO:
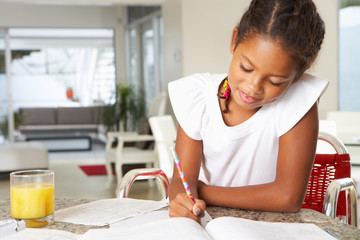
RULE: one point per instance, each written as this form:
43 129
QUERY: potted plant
18 120
127 109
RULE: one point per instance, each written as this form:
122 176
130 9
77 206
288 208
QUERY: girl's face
260 71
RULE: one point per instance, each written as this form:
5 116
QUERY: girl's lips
247 99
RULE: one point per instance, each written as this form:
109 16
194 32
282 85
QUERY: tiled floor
71 182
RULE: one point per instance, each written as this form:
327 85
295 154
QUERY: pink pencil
182 176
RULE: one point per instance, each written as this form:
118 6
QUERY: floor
72 182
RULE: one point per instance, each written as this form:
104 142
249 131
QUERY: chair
143 173
164 131
328 126
330 176
123 154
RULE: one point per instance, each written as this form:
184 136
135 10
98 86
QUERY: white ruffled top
245 154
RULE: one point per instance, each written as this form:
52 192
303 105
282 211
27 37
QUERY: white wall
327 65
172 40
206 27
27 15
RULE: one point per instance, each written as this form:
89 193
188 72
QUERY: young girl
247 139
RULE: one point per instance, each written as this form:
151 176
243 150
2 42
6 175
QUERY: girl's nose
255 84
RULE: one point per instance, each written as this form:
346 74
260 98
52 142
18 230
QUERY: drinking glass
32 197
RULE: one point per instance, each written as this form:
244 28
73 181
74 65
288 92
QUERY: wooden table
339 229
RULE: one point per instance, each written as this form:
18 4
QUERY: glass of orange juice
32 197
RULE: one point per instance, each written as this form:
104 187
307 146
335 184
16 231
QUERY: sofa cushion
39 116
75 115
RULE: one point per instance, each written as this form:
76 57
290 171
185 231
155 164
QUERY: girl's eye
245 69
275 84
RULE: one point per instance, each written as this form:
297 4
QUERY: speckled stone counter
59 204
340 230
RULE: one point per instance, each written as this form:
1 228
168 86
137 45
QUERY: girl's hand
183 206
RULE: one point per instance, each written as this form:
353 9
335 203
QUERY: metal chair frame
337 185
143 173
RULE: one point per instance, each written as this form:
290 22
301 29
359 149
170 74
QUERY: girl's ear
233 40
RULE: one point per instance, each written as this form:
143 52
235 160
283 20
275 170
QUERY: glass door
148 63
133 60
144 38
151 47
3 90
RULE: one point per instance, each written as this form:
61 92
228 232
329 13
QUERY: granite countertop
337 228
60 203
340 230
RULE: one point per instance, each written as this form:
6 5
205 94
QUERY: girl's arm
190 154
286 194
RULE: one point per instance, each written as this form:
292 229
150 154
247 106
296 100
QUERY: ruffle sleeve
187 97
297 101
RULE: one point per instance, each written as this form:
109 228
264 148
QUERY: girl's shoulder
297 101
308 88
314 81
188 97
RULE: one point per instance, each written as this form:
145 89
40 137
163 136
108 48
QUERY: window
349 55
62 67
144 36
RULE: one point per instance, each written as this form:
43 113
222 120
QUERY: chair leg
109 173
151 182
331 200
119 173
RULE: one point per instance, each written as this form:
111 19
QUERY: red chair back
326 168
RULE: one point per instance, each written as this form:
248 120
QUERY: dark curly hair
295 24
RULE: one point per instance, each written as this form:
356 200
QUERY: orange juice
32 201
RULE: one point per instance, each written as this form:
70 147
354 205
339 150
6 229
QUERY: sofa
60 120
62 128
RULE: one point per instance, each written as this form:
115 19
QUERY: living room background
75 67
186 40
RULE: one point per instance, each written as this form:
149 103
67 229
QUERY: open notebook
222 228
